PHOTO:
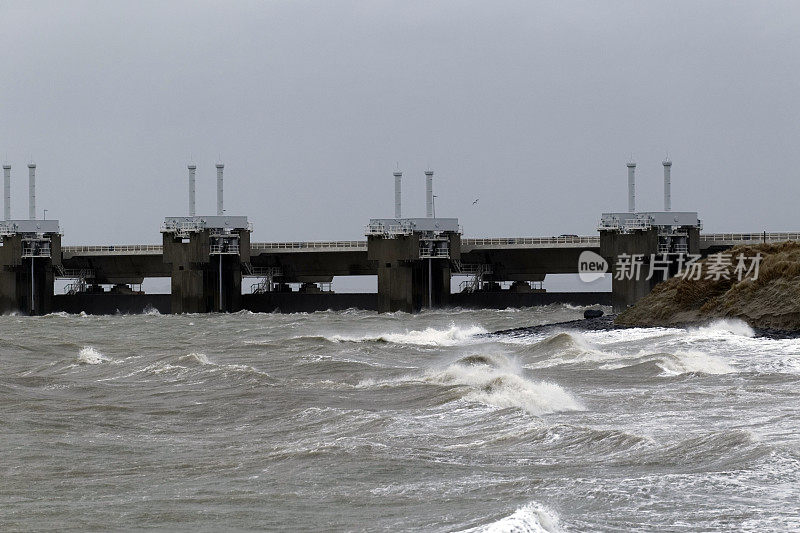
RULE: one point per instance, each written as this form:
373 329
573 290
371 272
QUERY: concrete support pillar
405 281
24 289
431 283
10 269
189 261
196 279
613 244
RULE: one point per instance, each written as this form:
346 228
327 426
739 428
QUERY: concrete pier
639 243
412 258
406 281
631 242
205 256
30 255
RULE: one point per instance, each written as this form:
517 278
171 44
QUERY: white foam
501 384
572 348
90 356
197 358
152 311
684 362
427 337
531 518
725 326
203 360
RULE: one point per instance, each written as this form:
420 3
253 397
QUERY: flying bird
476 201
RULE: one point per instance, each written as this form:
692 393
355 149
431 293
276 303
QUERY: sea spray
90 356
531 518
496 380
491 379
427 337
726 326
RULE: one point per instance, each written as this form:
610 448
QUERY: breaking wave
427 337
574 349
728 326
674 364
566 347
494 380
693 362
194 357
531 518
90 356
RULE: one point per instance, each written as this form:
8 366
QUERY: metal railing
267 275
122 249
262 272
82 273
433 253
750 237
636 224
470 269
224 249
525 241
76 287
182 228
81 276
324 245
374 229
40 249
154 249
379 228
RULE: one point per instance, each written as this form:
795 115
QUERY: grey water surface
358 421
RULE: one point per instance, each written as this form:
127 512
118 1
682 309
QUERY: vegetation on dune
772 300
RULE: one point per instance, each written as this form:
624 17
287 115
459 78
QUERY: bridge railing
592 240
112 249
525 241
750 237
260 246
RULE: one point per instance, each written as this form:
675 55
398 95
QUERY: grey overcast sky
533 107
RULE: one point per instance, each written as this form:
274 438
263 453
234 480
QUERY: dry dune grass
770 301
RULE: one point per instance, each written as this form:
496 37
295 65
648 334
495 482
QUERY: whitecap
733 326
195 357
90 356
427 337
531 518
684 362
496 380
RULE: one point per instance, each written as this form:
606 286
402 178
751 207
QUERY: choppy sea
354 421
